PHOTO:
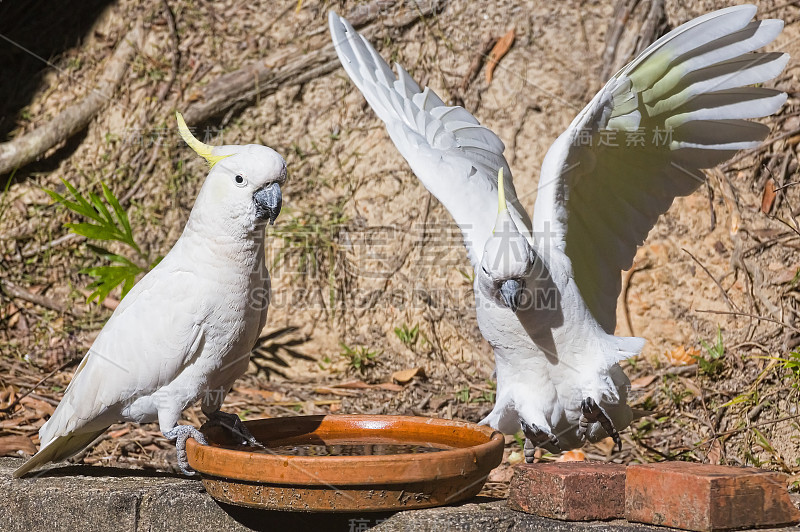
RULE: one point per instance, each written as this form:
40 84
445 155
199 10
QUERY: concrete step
90 498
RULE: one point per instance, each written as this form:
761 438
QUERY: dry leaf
327 390
515 457
361 385
693 388
7 396
12 322
576 455
9 445
121 432
682 356
768 197
500 49
266 394
642 382
41 407
353 385
606 445
404 376
15 422
537 455
334 407
501 473
714 455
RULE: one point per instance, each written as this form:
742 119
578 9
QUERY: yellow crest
501 192
203 150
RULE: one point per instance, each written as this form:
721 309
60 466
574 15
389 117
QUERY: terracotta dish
263 479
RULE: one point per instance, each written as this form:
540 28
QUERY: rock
574 491
707 497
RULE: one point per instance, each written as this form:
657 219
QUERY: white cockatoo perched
184 332
546 289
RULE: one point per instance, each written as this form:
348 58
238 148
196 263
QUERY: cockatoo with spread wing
546 288
184 332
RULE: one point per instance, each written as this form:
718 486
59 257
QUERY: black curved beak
511 291
268 201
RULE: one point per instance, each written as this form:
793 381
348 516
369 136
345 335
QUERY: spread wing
455 157
680 106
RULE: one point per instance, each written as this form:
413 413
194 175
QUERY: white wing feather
155 344
455 157
684 103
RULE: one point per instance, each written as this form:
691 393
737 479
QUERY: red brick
707 497
572 491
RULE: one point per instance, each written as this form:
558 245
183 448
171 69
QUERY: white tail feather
59 449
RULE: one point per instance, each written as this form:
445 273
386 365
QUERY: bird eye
240 180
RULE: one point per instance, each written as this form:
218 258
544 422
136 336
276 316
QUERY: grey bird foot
181 433
536 436
591 412
234 425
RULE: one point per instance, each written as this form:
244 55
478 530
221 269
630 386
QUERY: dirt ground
365 263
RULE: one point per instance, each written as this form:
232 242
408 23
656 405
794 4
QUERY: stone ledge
88 499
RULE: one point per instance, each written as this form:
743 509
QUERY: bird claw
591 412
181 433
234 424
535 436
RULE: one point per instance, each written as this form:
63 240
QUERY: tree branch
29 147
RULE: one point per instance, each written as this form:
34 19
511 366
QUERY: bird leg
234 424
591 412
181 433
535 436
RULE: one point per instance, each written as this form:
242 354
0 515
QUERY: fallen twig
264 77
13 290
626 286
649 26
15 402
747 315
27 148
176 52
476 63
57 242
755 151
730 303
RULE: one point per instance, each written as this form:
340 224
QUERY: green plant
796 278
792 364
408 336
359 358
310 245
108 222
487 395
749 397
712 362
675 390
463 394
468 275
325 362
